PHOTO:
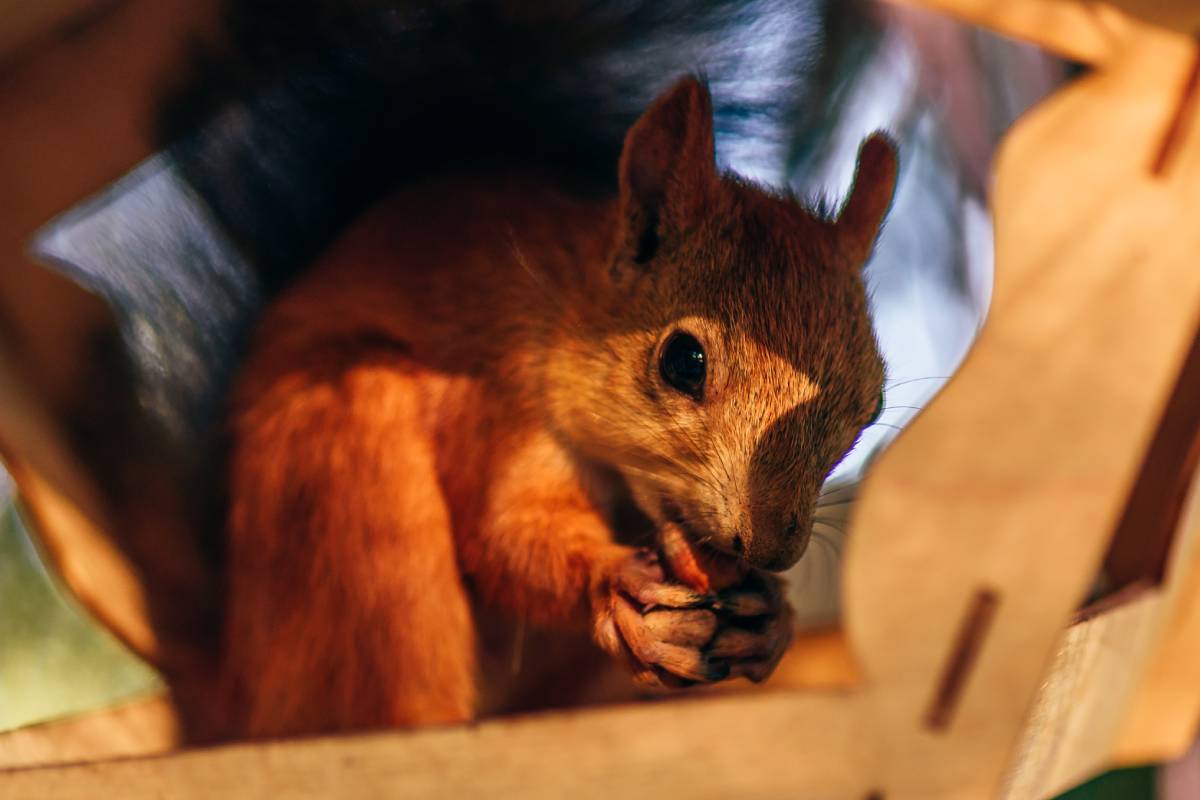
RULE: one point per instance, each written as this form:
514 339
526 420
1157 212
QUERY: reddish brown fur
445 411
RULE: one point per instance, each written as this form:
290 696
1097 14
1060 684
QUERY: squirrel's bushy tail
313 107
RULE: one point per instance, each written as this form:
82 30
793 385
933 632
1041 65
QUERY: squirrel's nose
779 546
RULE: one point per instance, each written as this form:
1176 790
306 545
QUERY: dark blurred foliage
1138 783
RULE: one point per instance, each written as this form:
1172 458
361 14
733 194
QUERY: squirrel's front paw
756 626
660 630
671 636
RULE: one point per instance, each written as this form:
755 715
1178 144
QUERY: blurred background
129 271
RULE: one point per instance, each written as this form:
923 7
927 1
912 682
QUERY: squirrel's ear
667 168
874 183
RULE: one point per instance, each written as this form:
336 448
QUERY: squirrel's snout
771 542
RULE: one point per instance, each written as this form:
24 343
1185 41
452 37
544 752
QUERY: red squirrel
464 396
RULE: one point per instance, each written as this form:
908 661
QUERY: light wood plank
139 728
712 748
1080 31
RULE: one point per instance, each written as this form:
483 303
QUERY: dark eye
878 412
682 365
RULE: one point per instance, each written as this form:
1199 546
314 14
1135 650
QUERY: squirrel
530 368
465 398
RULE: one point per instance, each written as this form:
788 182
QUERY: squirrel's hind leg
346 606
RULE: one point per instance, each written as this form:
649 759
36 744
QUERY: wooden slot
966 648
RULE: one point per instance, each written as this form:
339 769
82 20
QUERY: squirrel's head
729 362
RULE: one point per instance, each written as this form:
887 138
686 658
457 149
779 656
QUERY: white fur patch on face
755 389
795 387
764 384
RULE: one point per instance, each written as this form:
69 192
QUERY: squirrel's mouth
776 557
701 536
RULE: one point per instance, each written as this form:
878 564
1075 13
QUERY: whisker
826 537
835 503
839 486
914 380
817 525
841 529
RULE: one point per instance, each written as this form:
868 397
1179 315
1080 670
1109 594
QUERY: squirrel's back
457 271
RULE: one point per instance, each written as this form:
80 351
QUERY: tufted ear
667 169
874 184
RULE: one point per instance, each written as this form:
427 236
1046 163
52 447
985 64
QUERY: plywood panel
1079 31
715 748
134 729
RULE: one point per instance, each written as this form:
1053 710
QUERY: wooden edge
769 745
817 661
1182 16
1079 31
69 519
142 727
94 570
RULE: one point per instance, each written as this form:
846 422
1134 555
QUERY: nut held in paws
698 567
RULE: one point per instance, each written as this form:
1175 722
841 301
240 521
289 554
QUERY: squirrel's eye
681 365
878 412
